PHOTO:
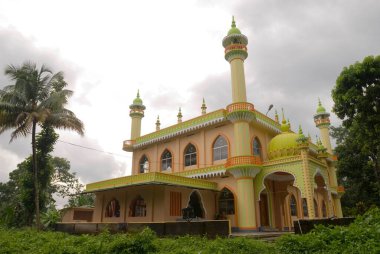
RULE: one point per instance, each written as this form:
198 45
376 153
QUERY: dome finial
284 125
203 107
276 116
179 116
300 130
158 123
233 22
138 93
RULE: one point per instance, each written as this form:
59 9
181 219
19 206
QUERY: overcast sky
172 51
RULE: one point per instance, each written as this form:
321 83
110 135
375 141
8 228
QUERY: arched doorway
264 209
279 202
195 202
321 196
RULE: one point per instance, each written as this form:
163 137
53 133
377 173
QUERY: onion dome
285 143
234 29
320 108
137 100
137 107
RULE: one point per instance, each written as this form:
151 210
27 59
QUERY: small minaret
136 113
276 116
322 121
179 116
203 108
158 124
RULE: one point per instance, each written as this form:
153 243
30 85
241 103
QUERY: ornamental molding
150 178
244 171
202 173
192 125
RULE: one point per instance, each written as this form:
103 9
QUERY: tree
357 102
36 97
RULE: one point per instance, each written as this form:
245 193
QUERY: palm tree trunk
36 189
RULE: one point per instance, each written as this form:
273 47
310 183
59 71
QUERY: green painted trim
200 171
182 126
293 167
269 122
150 178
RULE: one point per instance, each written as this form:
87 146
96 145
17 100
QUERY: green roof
150 178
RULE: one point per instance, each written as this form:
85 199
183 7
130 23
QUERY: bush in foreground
361 236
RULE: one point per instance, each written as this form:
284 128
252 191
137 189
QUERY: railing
235 46
243 160
240 106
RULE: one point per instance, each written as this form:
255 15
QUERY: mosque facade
234 163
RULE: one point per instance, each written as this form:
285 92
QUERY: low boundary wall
305 226
210 228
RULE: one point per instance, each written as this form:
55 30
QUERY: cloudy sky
172 52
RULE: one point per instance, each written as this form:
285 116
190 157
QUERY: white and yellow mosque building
234 163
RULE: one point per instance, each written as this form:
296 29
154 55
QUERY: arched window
304 208
137 207
316 208
190 155
324 210
166 160
220 149
113 209
143 164
226 202
293 206
257 147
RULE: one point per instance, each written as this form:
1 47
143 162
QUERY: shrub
361 236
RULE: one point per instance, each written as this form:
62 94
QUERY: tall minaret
235 44
136 113
242 165
322 121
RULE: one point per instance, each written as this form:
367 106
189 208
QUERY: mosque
234 163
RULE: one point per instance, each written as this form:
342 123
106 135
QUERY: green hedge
362 236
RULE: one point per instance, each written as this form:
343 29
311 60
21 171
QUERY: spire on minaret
158 123
284 124
179 116
290 127
276 116
203 107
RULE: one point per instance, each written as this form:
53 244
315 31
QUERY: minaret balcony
244 166
128 145
243 161
322 122
235 47
241 111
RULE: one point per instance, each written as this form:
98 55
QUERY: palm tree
37 97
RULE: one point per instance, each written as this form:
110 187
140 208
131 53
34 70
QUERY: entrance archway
195 202
278 193
321 196
264 209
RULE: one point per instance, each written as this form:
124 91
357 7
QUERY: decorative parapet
267 122
128 145
322 122
241 111
182 128
244 166
150 178
214 171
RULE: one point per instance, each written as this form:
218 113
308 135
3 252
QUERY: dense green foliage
357 102
362 236
17 195
37 97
